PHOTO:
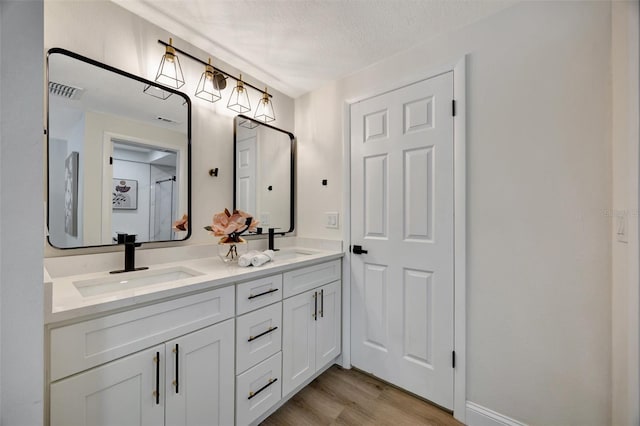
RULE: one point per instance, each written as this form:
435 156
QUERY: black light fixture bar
182 52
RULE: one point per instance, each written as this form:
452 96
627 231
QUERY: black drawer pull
176 350
315 306
271 381
157 391
262 294
252 338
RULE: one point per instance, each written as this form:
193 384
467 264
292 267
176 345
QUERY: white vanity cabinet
185 380
310 322
228 355
155 386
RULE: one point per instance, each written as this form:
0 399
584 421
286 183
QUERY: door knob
359 250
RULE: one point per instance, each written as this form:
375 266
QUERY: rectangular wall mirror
264 173
119 154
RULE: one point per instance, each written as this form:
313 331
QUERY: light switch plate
331 220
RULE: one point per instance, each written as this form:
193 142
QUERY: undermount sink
292 253
131 280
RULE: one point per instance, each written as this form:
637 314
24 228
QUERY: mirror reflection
118 155
264 173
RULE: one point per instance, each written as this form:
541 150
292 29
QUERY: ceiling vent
62 90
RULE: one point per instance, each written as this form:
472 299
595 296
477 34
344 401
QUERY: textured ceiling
296 46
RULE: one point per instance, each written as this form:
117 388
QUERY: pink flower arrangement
231 226
181 224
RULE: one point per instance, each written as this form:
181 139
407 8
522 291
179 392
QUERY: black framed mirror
264 173
118 155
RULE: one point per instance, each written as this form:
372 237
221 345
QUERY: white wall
21 213
625 298
539 182
128 42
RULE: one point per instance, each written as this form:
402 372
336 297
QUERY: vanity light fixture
156 92
212 82
209 84
170 71
239 100
265 111
248 124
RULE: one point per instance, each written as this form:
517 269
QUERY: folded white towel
262 258
245 259
270 253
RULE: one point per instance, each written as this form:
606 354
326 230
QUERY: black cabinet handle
359 250
322 303
157 392
271 329
262 294
271 381
315 308
176 351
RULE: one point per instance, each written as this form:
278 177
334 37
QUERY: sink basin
131 280
286 254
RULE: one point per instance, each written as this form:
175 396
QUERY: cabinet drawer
258 293
83 345
259 335
300 280
258 389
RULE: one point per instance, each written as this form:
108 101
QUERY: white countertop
63 300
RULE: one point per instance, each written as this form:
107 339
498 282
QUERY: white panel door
402 215
246 174
200 377
120 393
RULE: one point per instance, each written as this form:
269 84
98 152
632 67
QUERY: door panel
376 198
205 382
328 325
418 194
298 340
402 214
118 393
375 297
246 174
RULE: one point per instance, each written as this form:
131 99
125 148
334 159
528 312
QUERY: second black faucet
130 245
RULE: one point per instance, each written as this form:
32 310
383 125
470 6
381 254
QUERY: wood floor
349 397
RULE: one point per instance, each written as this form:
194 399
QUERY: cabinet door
328 336
200 377
120 393
298 340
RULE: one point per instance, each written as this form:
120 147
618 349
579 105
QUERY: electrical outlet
331 220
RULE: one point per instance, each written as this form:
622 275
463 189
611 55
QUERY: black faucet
272 234
130 245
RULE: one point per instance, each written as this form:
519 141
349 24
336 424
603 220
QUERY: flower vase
230 252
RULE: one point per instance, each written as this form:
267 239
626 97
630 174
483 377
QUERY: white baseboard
478 415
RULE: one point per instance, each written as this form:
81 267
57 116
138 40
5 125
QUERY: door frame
458 68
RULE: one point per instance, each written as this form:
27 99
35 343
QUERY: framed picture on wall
125 194
71 194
